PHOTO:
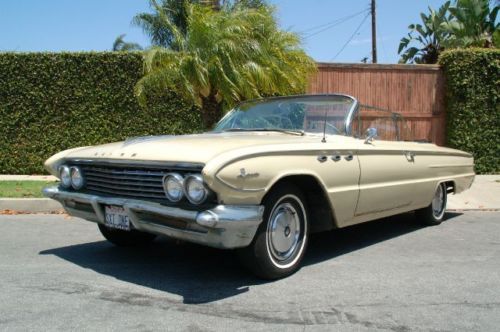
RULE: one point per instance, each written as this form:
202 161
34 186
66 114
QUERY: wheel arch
450 186
320 210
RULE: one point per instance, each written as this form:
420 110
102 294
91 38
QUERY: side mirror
371 133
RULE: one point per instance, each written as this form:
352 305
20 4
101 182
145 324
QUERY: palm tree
154 25
473 25
246 3
424 42
224 57
467 23
160 34
121 45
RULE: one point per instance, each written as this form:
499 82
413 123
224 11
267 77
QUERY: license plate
116 217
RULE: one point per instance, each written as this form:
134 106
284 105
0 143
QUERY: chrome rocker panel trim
224 226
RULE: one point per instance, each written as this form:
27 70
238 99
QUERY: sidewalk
27 178
29 205
483 195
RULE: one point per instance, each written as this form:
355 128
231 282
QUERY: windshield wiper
286 131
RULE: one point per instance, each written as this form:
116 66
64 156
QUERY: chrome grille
129 180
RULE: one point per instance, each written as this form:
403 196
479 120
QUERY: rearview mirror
371 133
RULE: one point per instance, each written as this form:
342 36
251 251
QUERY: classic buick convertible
271 172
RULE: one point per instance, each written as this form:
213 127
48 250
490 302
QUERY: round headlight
196 191
172 185
64 175
76 177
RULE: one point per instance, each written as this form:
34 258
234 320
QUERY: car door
340 174
390 171
389 181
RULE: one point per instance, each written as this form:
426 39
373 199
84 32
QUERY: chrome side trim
450 165
415 151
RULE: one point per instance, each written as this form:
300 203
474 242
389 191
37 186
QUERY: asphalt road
57 273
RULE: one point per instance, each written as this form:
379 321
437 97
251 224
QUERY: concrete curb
30 205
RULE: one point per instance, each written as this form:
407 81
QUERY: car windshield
312 114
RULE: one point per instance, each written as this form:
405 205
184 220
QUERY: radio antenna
324 127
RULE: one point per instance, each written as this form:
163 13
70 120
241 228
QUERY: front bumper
224 226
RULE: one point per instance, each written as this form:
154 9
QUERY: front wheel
434 213
126 238
281 239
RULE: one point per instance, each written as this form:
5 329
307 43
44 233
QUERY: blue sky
85 25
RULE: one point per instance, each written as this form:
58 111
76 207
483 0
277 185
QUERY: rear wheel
434 213
125 238
281 239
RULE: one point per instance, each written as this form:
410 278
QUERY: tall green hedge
473 109
54 101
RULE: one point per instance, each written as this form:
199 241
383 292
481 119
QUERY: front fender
53 163
247 180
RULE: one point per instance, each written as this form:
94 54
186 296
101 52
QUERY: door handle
349 156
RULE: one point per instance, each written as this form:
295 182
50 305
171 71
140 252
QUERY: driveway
57 273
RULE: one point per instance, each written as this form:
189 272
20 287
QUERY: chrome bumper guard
224 226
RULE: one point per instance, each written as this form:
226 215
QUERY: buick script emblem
243 174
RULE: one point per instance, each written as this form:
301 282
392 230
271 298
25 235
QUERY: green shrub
54 101
473 110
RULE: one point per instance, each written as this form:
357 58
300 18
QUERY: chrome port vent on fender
130 180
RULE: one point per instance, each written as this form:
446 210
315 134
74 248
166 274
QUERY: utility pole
374 33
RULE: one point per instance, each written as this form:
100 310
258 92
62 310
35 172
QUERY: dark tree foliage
50 102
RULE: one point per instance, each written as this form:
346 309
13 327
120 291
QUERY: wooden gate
414 91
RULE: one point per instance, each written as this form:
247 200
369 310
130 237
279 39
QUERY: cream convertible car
270 173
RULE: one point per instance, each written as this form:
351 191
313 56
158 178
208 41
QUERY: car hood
186 148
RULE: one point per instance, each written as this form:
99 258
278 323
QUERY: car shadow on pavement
327 245
202 275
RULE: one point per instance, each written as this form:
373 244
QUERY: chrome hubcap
438 202
284 231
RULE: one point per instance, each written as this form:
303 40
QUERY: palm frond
227 56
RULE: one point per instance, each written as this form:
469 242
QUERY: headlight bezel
73 170
199 180
180 180
65 177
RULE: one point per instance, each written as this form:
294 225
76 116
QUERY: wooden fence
414 91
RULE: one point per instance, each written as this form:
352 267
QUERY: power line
331 22
352 36
329 25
